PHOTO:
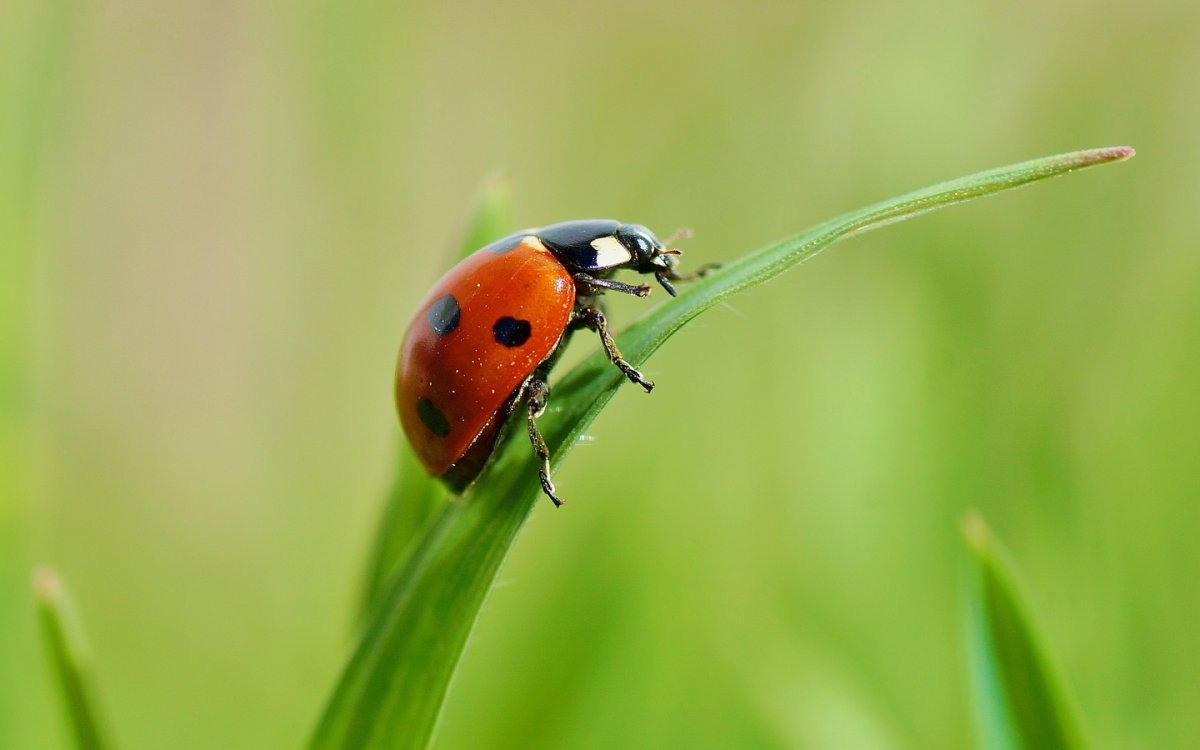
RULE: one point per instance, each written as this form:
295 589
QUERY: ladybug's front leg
594 319
669 275
588 285
539 394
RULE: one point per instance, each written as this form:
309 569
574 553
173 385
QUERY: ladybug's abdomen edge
485 327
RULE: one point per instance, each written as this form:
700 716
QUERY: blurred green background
216 219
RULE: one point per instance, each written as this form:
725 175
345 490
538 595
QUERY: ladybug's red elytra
489 331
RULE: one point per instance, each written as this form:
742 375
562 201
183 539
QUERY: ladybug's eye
641 242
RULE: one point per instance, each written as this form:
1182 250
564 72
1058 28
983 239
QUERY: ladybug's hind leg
593 318
539 393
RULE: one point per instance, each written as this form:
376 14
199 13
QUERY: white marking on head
610 252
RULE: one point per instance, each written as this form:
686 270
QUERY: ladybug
488 333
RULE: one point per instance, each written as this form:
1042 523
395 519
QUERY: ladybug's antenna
683 233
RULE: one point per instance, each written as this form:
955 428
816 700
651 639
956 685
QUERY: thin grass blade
391 691
1018 694
68 657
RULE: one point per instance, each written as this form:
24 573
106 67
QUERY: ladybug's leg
665 277
594 319
589 285
539 394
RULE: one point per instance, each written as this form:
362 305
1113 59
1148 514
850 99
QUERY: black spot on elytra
511 332
443 315
433 418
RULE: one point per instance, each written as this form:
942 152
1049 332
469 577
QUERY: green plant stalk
1018 694
411 504
68 656
392 689
414 496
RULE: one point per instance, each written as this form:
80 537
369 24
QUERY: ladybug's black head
649 254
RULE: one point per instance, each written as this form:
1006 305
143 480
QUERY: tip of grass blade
1119 153
47 588
1105 155
1018 690
63 634
975 530
490 216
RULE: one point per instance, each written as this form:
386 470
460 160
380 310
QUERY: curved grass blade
414 496
68 656
411 502
1021 703
392 689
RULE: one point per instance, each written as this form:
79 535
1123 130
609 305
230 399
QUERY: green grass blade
412 501
414 497
68 656
392 689
1018 695
491 217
